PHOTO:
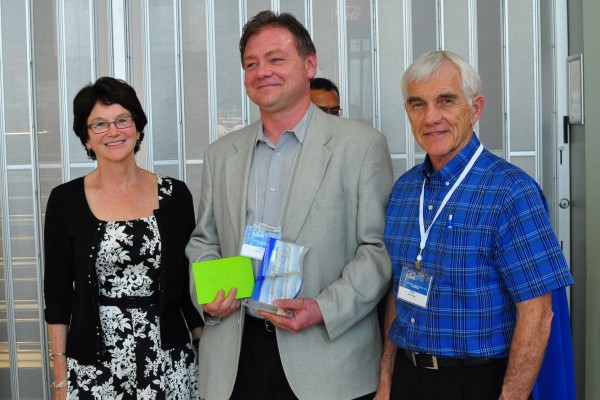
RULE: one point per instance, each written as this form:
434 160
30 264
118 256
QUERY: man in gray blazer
324 182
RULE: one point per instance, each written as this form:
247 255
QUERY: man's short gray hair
430 63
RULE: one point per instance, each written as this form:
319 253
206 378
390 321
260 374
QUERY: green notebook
223 273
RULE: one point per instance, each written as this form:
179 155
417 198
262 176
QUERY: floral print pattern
136 367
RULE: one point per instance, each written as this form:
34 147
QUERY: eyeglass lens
104 126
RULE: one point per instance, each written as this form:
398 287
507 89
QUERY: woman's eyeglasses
103 126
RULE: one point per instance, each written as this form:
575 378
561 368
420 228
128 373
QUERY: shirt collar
299 130
453 169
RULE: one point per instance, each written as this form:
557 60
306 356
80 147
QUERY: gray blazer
337 209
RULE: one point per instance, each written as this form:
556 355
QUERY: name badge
255 239
414 286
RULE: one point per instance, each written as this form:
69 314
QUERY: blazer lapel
237 168
308 176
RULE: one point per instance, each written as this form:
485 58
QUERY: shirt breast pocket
472 242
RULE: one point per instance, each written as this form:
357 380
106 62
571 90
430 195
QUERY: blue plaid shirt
498 249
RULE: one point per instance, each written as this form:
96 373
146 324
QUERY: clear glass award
280 276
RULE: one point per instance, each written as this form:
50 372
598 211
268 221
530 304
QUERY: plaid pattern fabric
497 249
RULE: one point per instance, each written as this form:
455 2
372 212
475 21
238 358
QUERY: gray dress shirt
271 177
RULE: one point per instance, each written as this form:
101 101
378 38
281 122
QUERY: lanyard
425 233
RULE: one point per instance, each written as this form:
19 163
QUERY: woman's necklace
117 194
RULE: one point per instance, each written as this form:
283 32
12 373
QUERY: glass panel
5 389
15 85
168 170
163 70
325 38
391 62
294 7
254 7
195 89
228 66
103 46
195 78
419 157
194 179
360 61
78 171
78 57
254 114
424 36
526 163
456 27
24 280
522 77
18 152
46 82
49 179
399 166
489 41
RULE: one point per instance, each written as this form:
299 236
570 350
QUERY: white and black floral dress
128 265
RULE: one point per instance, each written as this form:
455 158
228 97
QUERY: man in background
325 95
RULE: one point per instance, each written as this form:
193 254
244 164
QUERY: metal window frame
212 72
7 254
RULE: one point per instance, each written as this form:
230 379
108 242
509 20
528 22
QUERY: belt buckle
433 364
268 326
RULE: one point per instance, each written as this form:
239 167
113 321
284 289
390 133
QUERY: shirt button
430 207
447 183
412 320
272 189
277 154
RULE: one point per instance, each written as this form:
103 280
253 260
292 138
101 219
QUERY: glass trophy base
257 305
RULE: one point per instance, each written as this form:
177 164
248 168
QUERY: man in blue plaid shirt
474 255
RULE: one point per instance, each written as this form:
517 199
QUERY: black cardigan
71 238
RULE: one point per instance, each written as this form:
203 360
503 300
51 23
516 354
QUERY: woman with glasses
119 313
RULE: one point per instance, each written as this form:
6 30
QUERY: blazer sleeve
365 279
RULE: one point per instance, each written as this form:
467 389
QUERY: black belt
129 301
259 323
432 362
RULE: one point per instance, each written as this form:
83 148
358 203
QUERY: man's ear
311 65
477 108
